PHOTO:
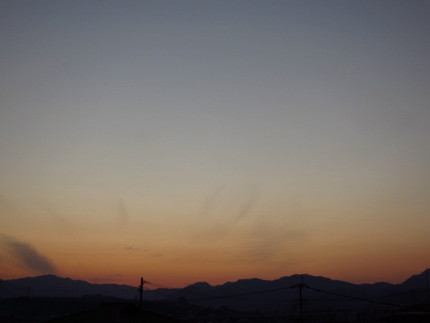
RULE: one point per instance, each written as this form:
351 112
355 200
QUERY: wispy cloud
61 222
269 248
273 243
131 248
27 255
212 200
113 278
245 203
123 216
249 202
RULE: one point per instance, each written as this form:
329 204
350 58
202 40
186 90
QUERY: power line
352 297
298 285
247 294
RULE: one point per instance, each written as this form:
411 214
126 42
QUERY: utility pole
141 290
301 285
427 286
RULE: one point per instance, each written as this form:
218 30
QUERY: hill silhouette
243 294
54 286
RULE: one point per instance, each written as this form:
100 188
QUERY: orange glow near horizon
185 141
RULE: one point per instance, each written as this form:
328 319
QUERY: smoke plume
27 255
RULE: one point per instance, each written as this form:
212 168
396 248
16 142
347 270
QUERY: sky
188 141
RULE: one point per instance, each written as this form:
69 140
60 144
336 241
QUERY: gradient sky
185 141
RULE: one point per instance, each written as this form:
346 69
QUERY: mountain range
244 294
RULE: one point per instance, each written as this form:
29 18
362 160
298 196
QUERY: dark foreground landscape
297 298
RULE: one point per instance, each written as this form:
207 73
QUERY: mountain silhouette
243 294
417 281
54 286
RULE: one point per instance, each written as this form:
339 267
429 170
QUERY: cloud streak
249 203
245 205
212 200
123 216
27 255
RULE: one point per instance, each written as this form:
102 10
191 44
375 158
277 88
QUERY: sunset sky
201 140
